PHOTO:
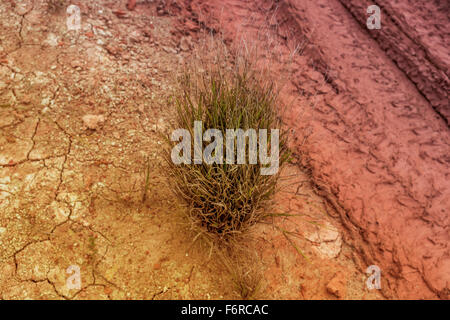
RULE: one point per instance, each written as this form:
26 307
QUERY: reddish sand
374 106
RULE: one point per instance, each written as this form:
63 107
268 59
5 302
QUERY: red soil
374 106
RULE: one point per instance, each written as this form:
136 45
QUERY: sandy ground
79 115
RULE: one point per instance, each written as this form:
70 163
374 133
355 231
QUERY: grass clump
226 199
57 5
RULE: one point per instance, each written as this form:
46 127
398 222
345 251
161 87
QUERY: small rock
52 40
135 36
337 285
131 5
2 230
119 13
92 121
114 50
23 8
328 233
107 290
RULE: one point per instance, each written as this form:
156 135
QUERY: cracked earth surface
79 115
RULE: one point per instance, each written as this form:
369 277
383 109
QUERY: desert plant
225 199
147 179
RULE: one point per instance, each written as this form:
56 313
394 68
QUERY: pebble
169 49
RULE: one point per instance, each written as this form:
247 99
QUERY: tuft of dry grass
225 199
